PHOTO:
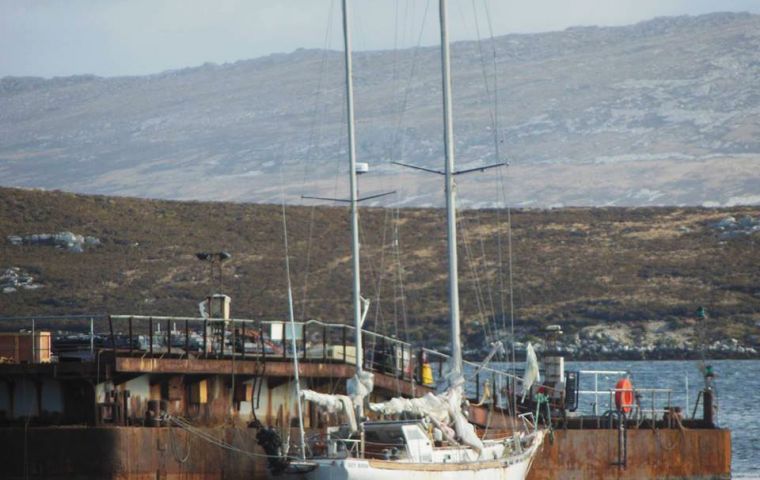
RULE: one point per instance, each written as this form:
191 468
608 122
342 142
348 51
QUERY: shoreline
639 357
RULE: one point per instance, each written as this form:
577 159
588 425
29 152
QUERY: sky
136 37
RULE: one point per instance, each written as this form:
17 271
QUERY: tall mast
451 214
354 193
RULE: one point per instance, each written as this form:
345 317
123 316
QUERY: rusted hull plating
136 453
650 454
126 453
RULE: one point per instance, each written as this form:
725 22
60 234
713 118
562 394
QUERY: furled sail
360 386
443 409
339 404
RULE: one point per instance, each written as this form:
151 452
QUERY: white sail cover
360 386
430 405
333 404
443 409
531 375
362 383
465 430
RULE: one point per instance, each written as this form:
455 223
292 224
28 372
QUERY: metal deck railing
83 336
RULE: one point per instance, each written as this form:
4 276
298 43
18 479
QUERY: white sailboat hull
513 467
355 469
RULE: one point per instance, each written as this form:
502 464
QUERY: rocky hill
620 278
664 112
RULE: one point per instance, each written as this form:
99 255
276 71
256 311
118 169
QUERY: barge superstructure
97 404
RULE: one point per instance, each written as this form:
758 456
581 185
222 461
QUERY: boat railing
481 381
81 337
46 338
650 404
528 421
316 341
646 404
597 392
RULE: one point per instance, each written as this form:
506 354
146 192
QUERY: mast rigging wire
292 325
398 139
400 273
502 192
315 134
207 437
476 282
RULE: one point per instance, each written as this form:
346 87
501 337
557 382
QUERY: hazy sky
132 37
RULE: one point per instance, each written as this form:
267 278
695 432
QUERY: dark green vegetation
576 266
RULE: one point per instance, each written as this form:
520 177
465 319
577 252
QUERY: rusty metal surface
136 453
126 453
224 367
272 368
483 416
73 369
395 386
652 454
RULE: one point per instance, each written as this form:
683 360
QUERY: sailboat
439 443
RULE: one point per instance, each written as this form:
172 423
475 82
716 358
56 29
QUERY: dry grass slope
578 266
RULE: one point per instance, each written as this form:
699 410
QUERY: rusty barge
92 405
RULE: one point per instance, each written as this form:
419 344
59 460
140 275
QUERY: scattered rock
726 223
600 342
731 228
13 279
68 240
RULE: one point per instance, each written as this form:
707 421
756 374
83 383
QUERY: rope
493 112
402 294
307 269
317 119
673 445
489 287
399 271
173 442
398 136
395 152
292 324
185 425
494 117
476 284
376 272
490 416
511 304
315 133
483 261
315 129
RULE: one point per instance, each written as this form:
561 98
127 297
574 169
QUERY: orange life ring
624 395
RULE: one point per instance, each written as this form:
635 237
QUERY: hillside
639 270
664 112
